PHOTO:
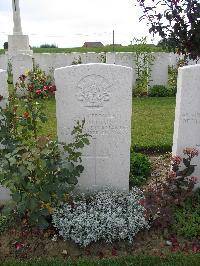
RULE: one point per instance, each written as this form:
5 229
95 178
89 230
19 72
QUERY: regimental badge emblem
93 91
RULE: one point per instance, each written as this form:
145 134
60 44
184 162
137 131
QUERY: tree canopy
177 22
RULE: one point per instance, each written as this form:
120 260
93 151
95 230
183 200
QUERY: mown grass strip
174 260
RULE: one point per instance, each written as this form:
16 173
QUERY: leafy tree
5 45
177 22
46 45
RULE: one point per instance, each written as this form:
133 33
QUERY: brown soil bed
26 243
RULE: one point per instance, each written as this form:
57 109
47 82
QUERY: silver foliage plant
105 215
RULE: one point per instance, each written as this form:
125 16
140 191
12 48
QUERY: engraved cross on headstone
95 158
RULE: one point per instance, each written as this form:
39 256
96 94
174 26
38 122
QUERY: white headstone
44 61
61 60
4 193
187 115
100 94
159 69
3 61
123 59
20 65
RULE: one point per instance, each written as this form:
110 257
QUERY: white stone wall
4 193
50 61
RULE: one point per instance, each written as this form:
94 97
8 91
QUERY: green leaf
86 141
33 204
44 196
16 196
42 222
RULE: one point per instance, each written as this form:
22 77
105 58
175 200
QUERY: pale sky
69 23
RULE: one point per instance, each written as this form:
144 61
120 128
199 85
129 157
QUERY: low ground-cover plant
38 171
140 168
104 215
164 196
37 83
187 217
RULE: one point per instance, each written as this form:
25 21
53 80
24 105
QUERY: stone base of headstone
18 44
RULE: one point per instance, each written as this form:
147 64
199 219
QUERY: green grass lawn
86 50
152 123
175 260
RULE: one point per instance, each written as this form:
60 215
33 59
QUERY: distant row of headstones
102 95
51 61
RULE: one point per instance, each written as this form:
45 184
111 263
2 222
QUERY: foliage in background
143 61
5 46
77 61
140 169
105 215
172 79
177 22
46 45
187 218
130 48
163 91
38 171
10 73
162 198
37 83
173 75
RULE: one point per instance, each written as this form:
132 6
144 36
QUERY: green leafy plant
37 83
143 61
161 91
38 171
140 168
4 223
173 75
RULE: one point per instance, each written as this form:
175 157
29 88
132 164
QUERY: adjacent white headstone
3 61
100 94
4 193
123 59
187 115
20 65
